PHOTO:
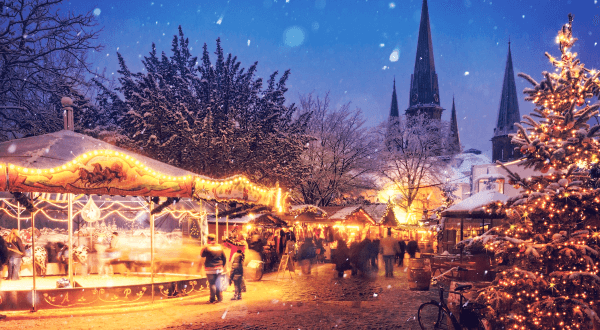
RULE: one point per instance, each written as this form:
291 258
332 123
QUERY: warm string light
83 158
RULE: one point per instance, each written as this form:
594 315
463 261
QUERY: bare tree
42 58
409 159
340 158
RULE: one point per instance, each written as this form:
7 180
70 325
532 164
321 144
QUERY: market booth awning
472 207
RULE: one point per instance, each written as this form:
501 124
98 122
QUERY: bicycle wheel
432 316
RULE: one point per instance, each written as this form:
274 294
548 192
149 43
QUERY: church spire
453 138
394 107
424 90
508 115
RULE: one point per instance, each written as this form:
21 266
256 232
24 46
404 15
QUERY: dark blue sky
347 47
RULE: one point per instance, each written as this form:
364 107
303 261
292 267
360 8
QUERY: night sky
355 48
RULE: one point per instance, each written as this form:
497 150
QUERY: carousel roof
55 149
69 162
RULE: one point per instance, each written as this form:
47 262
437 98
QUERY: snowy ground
316 301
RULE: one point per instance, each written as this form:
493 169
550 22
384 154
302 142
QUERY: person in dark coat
307 253
402 246
374 253
214 266
16 250
412 248
237 273
360 256
341 258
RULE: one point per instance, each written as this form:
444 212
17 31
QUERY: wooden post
217 221
462 221
70 227
33 295
152 248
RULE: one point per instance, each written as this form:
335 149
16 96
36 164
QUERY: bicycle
437 315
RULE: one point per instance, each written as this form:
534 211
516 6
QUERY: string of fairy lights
111 208
78 162
114 208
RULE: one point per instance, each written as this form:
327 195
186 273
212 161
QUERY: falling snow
293 36
395 55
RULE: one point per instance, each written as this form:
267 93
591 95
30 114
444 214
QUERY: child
237 273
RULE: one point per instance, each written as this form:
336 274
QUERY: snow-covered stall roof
347 212
304 208
344 213
376 211
474 204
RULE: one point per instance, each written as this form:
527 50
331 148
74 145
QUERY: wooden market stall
468 219
462 221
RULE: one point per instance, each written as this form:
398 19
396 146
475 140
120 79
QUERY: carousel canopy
69 162
472 207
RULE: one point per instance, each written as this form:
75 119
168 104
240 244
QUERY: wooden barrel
419 276
419 279
416 263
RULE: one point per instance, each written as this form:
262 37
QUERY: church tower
508 114
424 91
453 141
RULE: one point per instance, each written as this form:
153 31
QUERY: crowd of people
351 252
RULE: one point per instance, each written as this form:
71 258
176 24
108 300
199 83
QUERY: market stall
468 219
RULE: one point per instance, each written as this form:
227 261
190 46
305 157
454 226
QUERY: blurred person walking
402 246
389 248
15 247
237 273
307 253
412 248
213 266
341 258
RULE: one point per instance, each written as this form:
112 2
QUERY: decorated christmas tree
548 250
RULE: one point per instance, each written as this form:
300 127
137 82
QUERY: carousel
104 226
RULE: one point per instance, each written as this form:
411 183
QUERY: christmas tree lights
548 252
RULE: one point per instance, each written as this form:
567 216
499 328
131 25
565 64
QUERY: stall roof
345 212
473 206
379 213
307 208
